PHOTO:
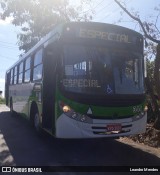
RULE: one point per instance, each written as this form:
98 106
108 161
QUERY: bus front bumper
67 127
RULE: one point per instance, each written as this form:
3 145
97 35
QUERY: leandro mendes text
144 169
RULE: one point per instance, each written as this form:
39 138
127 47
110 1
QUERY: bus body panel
23 96
128 117
65 127
20 96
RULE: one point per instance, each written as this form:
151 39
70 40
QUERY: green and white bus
83 80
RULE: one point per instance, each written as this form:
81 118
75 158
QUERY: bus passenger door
49 87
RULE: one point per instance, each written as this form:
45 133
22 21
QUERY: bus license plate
114 127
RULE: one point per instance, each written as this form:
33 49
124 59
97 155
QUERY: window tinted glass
37 72
12 73
15 79
27 65
27 76
11 80
21 68
15 70
99 70
38 58
20 78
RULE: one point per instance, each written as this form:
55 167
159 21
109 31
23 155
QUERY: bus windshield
101 70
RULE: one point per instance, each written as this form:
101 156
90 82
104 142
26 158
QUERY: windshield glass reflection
102 71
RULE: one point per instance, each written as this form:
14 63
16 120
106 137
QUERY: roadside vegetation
151 33
2 100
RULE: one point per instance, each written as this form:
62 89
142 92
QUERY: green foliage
2 100
37 17
150 29
150 68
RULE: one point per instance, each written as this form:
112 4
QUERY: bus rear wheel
37 122
11 107
34 117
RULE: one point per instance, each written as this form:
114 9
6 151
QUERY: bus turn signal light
74 115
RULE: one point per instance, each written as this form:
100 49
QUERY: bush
2 100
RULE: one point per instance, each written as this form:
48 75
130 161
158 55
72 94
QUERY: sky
106 11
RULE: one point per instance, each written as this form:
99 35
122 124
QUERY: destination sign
80 83
122 38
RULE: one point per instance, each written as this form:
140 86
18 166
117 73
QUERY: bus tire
34 117
11 105
37 122
12 112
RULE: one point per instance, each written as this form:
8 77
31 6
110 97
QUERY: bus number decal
137 109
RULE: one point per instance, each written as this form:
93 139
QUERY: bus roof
56 33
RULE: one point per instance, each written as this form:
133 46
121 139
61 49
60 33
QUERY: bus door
49 87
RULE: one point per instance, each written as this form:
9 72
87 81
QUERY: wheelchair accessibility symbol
109 90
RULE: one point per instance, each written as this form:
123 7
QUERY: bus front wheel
35 118
37 122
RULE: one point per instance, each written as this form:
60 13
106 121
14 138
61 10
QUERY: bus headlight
74 115
66 108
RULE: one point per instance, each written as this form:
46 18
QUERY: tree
152 33
37 17
150 68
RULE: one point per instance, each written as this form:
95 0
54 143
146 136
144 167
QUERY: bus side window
15 75
37 66
11 80
27 72
8 77
20 78
7 83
